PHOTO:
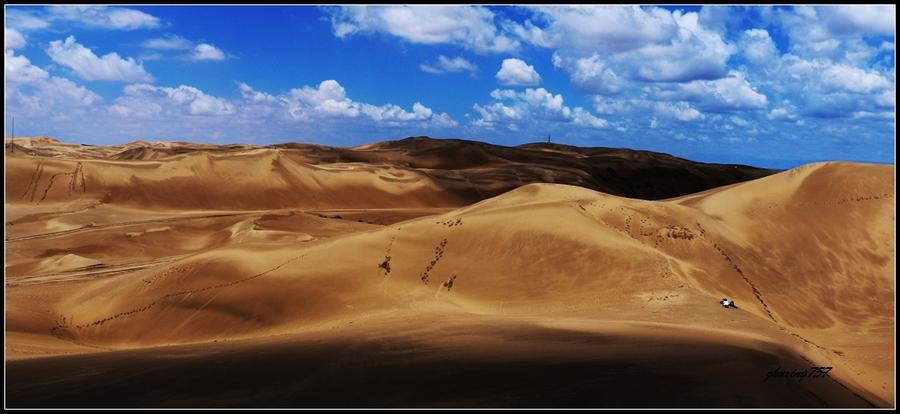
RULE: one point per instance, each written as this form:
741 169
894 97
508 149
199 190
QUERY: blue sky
768 86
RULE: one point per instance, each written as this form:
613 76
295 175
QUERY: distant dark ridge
618 171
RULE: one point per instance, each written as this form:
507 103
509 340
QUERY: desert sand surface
441 274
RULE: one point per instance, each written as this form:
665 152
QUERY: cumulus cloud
681 111
249 94
695 53
318 109
185 99
726 94
591 74
532 105
602 29
449 65
12 39
785 113
32 92
470 27
758 46
644 44
827 31
87 65
329 101
822 87
580 116
206 51
516 72
854 20
853 79
19 69
605 105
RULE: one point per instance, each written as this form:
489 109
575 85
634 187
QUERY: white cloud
741 122
828 30
168 42
329 101
531 33
785 113
641 43
12 39
24 20
758 46
825 88
205 51
198 52
32 93
448 65
20 70
67 91
131 107
781 114
392 112
471 27
530 106
251 95
516 72
875 20
695 53
183 99
582 117
681 111
853 79
119 18
602 29
86 64
886 99
726 94
101 17
873 115
591 75
604 105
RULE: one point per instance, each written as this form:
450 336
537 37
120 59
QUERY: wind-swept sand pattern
273 277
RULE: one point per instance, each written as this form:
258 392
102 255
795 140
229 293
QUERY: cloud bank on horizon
772 86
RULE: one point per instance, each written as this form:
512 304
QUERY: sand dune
316 262
414 172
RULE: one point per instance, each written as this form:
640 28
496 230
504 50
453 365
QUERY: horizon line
794 163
